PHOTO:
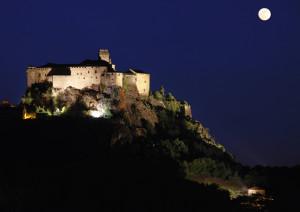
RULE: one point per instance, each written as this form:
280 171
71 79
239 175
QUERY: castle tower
104 55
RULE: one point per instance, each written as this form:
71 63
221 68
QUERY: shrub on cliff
176 149
39 96
209 168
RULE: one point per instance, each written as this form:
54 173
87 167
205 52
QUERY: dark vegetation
150 156
281 183
78 168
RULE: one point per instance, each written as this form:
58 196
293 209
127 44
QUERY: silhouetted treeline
69 164
62 164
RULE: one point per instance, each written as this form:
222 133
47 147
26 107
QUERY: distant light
27 116
256 191
264 14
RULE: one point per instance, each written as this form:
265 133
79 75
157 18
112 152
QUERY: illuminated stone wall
36 75
140 80
90 76
143 84
112 79
80 77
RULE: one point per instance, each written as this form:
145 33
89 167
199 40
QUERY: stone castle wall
143 84
81 77
139 80
112 79
36 75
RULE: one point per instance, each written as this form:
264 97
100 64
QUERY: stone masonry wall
36 75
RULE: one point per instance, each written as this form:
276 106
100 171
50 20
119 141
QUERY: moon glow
264 14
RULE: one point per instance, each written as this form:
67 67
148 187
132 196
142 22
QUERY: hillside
159 121
142 154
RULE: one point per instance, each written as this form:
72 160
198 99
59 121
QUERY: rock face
187 109
136 115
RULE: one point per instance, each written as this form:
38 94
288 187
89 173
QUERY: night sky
240 74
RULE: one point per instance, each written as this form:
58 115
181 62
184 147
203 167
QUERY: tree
175 149
209 168
157 95
170 97
162 90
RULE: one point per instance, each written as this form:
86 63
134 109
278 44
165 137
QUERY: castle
89 74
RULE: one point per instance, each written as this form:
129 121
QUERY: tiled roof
82 64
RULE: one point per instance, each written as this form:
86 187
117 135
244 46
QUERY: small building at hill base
256 191
89 74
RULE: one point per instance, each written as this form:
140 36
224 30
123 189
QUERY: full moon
264 14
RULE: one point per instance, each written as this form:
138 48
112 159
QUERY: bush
175 149
173 106
157 95
170 97
39 96
209 168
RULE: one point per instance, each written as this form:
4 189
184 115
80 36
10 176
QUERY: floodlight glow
96 113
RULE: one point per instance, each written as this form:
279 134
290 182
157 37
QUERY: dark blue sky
241 75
